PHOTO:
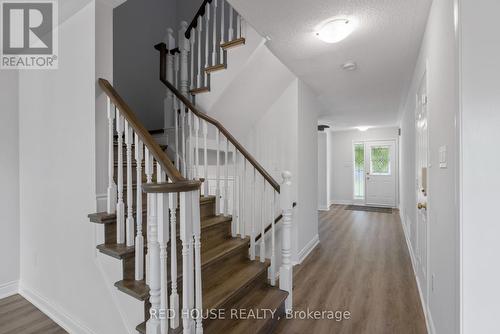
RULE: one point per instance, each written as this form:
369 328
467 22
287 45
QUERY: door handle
421 206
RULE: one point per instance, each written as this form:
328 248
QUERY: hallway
362 265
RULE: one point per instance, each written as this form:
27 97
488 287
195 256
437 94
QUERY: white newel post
112 195
195 195
153 325
186 235
120 206
163 238
139 239
184 48
286 270
174 295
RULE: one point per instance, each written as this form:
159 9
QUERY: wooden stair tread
227 281
118 251
199 90
233 43
136 289
107 218
215 68
139 289
209 222
264 297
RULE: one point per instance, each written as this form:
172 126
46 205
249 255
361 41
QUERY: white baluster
199 65
163 238
197 147
226 182
184 48
286 270
192 40
207 39
190 145
112 195
148 158
195 195
120 206
263 222
129 139
153 325
168 110
183 141
139 239
242 219
176 120
235 226
238 25
205 157
253 215
174 296
231 30
273 237
222 29
186 234
217 174
214 37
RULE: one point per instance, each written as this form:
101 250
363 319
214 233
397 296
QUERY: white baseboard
59 316
9 289
340 202
323 208
302 255
428 318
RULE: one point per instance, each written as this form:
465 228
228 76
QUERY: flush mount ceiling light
363 128
349 66
335 30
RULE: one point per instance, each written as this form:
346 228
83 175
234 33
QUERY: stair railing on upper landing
242 187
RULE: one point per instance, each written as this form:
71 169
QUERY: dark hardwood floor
18 316
362 265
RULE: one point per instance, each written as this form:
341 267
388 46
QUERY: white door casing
422 190
381 172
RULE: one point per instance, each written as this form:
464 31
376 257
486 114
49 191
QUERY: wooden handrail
194 22
165 187
270 225
223 130
143 134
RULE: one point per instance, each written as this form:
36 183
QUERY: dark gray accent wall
137 26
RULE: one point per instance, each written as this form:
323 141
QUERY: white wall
59 270
138 25
341 159
438 58
307 177
9 179
323 171
480 111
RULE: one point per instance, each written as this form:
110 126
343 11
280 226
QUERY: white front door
380 167
422 191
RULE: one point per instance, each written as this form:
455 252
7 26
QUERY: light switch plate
443 163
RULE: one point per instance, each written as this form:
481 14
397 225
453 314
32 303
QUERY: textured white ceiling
385 46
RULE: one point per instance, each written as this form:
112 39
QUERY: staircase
188 240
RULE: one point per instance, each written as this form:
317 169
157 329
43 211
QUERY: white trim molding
428 318
302 255
59 316
9 289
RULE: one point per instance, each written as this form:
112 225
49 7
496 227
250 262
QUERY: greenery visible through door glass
359 170
380 160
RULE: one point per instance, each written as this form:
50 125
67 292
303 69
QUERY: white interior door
422 191
380 167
